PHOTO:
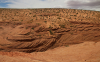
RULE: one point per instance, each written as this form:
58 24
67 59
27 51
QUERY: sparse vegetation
71 33
31 20
75 26
40 28
34 16
26 27
71 26
32 28
38 35
51 32
67 45
98 15
1 28
45 21
27 33
45 15
59 18
38 23
50 26
62 25
57 14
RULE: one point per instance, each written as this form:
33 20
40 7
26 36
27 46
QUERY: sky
70 4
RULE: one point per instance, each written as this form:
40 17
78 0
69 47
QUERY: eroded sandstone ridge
49 35
37 30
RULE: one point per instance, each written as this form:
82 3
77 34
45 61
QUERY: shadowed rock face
37 32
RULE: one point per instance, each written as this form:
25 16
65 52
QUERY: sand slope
84 52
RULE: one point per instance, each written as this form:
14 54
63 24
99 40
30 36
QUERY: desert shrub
45 21
75 26
74 15
71 26
37 23
57 14
62 26
45 15
1 28
31 20
59 18
67 45
98 15
34 16
32 28
50 26
71 33
26 27
51 32
27 33
39 35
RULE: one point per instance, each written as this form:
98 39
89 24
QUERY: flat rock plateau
49 35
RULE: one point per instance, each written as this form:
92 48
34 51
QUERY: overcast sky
73 4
